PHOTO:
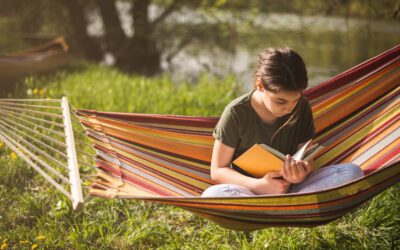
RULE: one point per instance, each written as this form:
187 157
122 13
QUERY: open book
261 159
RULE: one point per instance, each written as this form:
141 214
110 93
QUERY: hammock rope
166 158
37 131
17 139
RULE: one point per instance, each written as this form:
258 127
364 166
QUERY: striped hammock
166 159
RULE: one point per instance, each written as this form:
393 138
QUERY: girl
274 113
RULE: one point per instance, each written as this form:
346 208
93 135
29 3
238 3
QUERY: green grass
33 213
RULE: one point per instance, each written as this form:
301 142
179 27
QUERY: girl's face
280 103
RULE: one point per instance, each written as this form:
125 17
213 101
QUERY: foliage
33 213
140 40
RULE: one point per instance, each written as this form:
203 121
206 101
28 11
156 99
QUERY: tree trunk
87 46
141 55
114 35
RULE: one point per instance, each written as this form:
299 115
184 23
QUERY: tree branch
166 12
178 48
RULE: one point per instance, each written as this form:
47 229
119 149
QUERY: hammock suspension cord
42 133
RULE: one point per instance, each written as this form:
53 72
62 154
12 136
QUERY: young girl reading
275 113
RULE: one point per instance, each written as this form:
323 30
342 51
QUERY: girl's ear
259 85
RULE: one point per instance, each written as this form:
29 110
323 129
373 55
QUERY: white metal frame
74 176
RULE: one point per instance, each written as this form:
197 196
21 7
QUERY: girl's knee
223 190
354 171
346 172
213 191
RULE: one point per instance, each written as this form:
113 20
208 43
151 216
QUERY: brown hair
282 69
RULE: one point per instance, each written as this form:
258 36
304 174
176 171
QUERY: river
329 45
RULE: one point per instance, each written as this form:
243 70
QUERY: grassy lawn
33 214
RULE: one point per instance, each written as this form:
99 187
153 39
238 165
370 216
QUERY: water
329 45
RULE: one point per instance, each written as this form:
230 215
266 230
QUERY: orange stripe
160 133
151 183
382 152
127 189
328 95
376 139
329 116
111 194
165 154
244 207
190 150
167 166
353 89
373 106
352 132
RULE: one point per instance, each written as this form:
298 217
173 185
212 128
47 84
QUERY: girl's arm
222 173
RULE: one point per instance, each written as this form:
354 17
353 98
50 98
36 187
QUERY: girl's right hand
271 183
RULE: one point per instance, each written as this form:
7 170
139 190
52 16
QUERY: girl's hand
271 183
295 171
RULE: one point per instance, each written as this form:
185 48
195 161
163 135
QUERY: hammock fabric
45 57
165 159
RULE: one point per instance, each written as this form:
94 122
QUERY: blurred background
186 38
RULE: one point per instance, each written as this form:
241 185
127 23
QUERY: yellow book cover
261 159
258 161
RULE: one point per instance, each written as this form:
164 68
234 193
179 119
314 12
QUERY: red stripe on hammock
156 173
110 137
157 156
166 176
364 140
387 157
176 170
385 68
128 178
361 196
191 121
381 103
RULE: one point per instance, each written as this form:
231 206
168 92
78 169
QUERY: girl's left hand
295 171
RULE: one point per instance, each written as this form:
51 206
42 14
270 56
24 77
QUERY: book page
273 151
300 153
313 152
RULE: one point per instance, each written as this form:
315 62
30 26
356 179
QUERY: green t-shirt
240 127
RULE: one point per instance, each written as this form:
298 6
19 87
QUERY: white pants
323 178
